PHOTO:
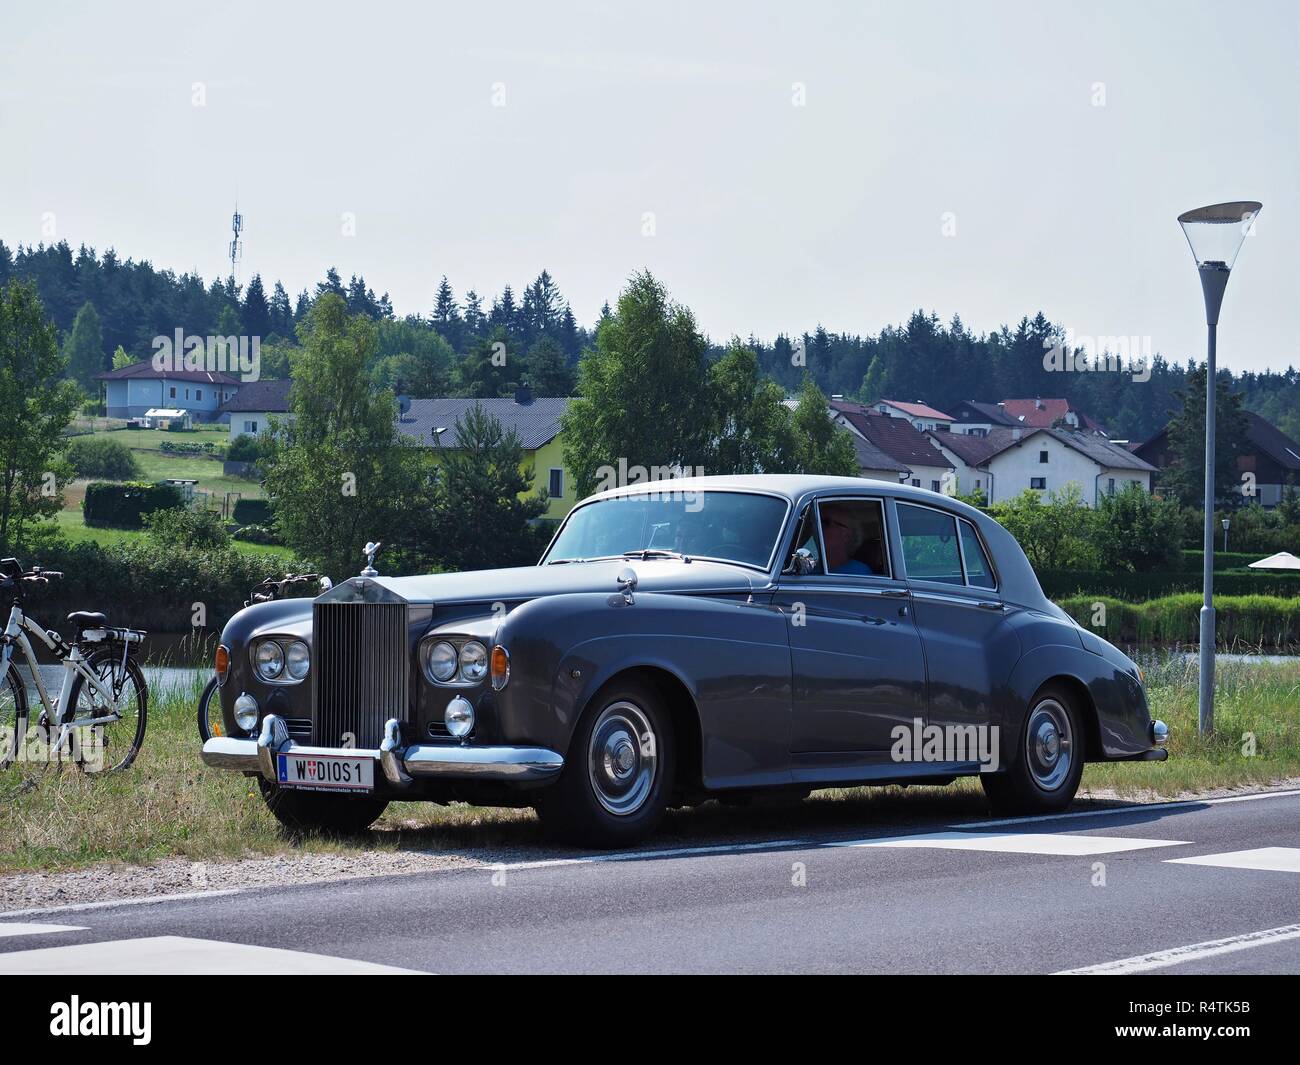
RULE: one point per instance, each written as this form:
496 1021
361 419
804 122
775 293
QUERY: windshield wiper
655 552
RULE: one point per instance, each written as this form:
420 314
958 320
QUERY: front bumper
401 765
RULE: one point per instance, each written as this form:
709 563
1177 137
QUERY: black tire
310 811
122 739
611 792
1038 781
13 726
211 723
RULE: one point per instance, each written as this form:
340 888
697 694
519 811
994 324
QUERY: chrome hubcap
1050 743
623 758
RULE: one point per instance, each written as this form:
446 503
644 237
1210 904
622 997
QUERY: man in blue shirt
843 534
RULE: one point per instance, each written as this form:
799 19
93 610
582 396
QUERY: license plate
326 772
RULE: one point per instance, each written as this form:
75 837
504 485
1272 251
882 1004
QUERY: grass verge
170 805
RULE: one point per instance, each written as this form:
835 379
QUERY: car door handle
874 621
992 606
895 593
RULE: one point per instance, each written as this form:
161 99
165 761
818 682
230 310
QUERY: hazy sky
800 160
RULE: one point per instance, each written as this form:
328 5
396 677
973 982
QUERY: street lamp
1225 536
1215 234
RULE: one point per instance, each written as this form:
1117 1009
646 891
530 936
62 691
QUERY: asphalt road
1200 887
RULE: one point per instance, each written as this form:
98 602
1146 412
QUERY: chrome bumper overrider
401 765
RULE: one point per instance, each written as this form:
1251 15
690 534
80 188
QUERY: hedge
1222 559
136 584
253 512
1139 586
124 505
1248 621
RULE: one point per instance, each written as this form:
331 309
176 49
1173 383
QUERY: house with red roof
1041 413
920 415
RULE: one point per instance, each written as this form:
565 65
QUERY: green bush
244 448
253 512
258 534
1136 587
124 505
187 527
172 447
1248 621
100 456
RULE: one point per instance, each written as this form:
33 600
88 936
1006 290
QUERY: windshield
732 526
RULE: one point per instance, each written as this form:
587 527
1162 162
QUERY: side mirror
802 563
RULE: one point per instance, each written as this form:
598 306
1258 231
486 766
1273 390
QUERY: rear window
979 574
930 549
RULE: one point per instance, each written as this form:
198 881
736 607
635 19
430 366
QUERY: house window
187 393
198 393
250 427
916 482
934 486
979 483
1110 487
172 392
1038 482
1042 456
555 487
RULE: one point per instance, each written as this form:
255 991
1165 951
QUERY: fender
1121 709
731 654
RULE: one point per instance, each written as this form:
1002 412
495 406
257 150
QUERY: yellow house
536 420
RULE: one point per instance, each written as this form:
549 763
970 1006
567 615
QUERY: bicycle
269 590
103 692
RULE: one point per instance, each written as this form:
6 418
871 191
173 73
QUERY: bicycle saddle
87 619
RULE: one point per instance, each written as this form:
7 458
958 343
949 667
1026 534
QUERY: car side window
979 574
929 544
853 531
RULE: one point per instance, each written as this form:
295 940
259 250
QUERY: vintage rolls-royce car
683 640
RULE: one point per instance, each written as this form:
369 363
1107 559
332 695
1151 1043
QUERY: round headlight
297 659
459 717
439 660
246 712
473 661
268 660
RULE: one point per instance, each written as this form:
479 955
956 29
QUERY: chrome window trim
643 489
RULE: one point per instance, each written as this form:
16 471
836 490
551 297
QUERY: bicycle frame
74 664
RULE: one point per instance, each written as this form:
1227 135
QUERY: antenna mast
236 245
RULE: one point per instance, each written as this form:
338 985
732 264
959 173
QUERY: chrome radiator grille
361 671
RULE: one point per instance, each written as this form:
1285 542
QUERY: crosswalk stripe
1019 842
27 928
1161 959
179 955
1273 859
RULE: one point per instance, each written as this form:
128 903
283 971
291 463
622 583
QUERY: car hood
531 582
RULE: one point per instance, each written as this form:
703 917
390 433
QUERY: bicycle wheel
114 744
210 720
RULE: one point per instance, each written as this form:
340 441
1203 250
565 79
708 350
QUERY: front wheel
307 811
1048 763
210 720
619 772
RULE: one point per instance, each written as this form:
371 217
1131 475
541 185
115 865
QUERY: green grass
153 439
170 805
75 529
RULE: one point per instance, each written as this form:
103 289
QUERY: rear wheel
307 811
118 741
1048 764
616 780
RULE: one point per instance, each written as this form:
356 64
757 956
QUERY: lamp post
1225 536
1215 234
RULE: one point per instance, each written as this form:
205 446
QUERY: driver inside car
843 533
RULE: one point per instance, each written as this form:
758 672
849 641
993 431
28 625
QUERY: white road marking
1138 807
164 955
1275 859
1161 959
22 928
1019 842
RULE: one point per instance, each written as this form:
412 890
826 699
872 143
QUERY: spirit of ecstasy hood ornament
371 550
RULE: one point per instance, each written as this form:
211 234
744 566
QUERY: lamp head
1215 235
